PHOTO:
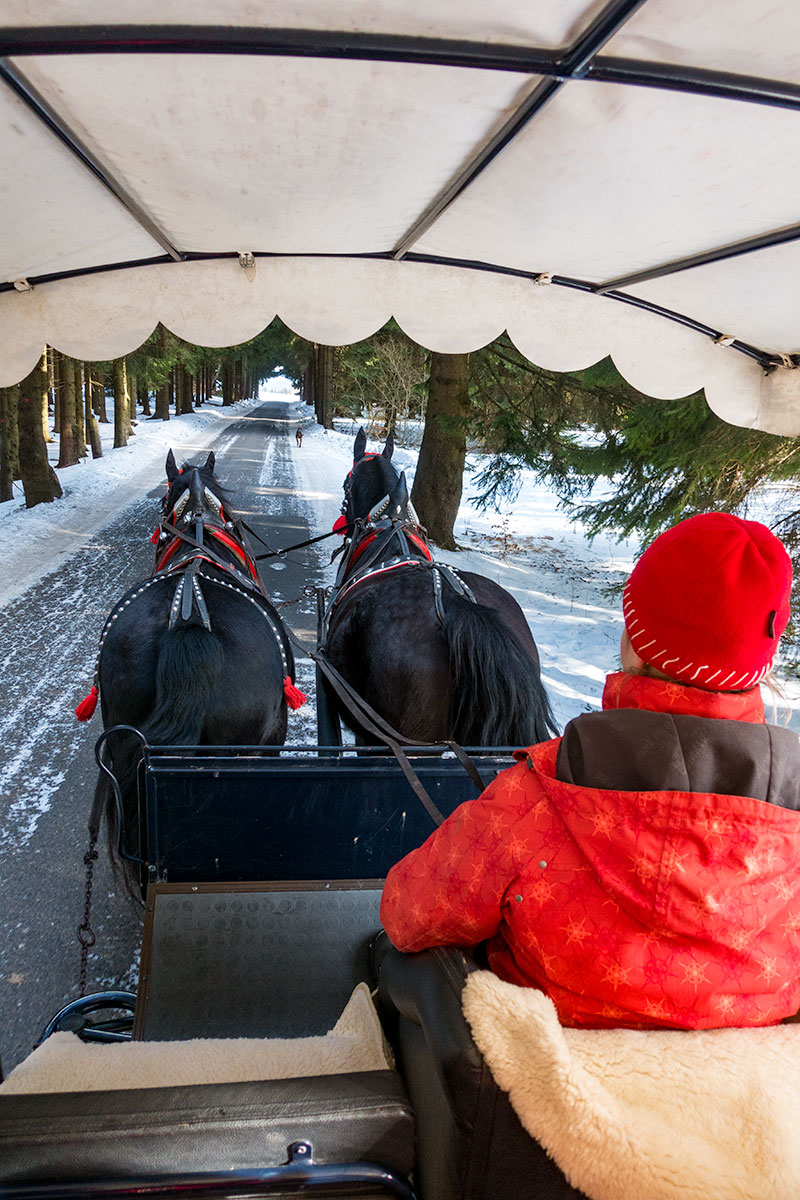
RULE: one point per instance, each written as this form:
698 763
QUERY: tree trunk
64 381
39 480
90 420
122 421
99 394
187 388
80 424
144 399
323 368
132 387
227 384
9 442
162 402
50 404
307 384
436 494
183 394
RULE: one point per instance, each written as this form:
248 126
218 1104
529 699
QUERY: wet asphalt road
47 770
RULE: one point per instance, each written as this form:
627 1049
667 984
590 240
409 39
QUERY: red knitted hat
708 601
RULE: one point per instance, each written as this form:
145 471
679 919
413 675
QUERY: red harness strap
229 542
420 544
360 548
367 541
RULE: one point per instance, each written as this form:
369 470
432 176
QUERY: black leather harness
372 563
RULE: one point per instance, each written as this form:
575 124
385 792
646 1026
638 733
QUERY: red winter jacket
639 908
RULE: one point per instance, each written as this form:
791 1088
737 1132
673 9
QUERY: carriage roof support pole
576 62
573 63
790 233
31 97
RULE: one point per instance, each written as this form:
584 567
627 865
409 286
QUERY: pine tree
438 481
9 441
39 480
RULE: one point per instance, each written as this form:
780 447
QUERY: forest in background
666 459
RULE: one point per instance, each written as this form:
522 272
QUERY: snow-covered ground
567 586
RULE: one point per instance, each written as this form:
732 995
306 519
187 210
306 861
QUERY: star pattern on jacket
644 909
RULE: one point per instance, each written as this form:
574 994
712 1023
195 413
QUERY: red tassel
340 524
85 710
294 697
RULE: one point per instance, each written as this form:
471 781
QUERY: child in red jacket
644 869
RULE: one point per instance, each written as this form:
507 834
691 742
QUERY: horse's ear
210 461
388 449
172 467
398 498
360 445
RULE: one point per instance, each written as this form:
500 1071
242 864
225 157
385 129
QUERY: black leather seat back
471 1143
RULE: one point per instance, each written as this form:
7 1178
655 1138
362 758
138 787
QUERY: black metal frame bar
40 107
300 1175
571 64
85 1006
533 104
577 62
580 61
764 358
762 242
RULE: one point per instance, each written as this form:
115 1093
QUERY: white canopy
597 178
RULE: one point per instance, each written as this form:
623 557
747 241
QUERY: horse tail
190 664
498 698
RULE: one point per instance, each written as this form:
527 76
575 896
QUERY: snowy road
63 567
47 775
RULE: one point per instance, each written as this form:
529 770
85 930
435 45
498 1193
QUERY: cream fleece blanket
661 1114
66 1064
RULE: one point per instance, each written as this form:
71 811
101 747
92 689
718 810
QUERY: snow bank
567 586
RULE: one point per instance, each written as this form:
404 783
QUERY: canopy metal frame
582 61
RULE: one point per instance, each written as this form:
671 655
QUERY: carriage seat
625 1112
471 1145
357 1111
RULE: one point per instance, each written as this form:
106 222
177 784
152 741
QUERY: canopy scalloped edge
339 301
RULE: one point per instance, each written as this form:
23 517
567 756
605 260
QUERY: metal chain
309 592
86 935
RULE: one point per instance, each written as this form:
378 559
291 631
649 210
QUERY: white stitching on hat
712 676
664 665
722 682
704 667
644 647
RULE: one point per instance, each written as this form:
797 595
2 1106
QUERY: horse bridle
378 510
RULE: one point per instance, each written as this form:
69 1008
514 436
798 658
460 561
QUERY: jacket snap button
518 899
543 864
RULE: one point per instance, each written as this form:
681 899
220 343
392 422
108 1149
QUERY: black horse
196 654
440 654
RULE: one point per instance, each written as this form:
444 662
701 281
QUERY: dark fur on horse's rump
473 676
